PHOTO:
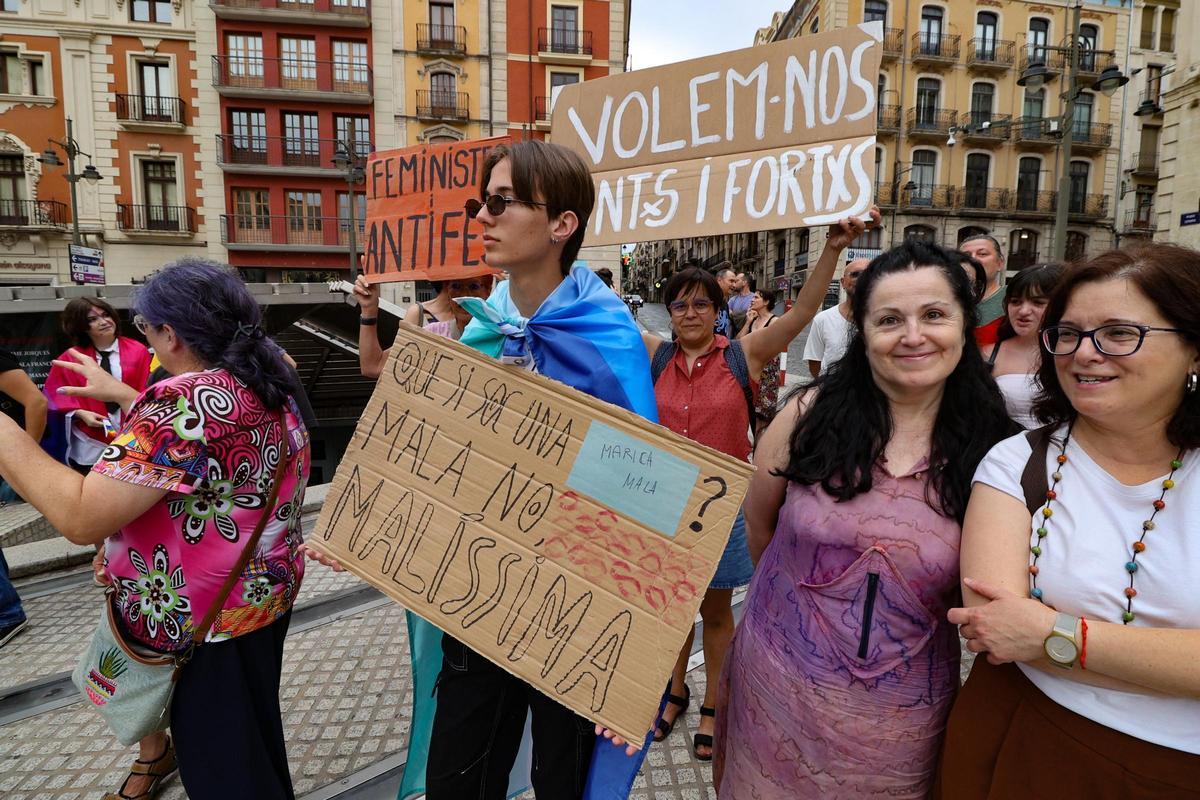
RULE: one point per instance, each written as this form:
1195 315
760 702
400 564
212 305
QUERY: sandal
665 727
704 739
159 770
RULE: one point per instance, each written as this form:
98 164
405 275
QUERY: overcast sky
665 31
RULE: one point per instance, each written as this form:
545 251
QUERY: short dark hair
689 278
979 282
1169 276
555 174
605 274
74 319
768 297
1038 280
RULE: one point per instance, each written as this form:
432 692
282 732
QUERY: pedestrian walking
843 669
1017 354
832 328
761 315
740 299
706 389
985 249
1087 684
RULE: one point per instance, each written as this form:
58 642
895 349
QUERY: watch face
1061 649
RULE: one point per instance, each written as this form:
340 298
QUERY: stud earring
554 240
1193 383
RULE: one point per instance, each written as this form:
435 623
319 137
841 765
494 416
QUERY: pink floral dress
208 440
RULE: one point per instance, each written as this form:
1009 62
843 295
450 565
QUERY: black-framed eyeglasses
1120 339
496 204
473 286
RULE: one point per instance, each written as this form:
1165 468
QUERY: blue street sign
1190 218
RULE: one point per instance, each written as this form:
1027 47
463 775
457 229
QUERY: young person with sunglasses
700 396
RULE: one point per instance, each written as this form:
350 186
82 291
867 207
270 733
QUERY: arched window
921 233
875 11
1079 186
969 231
929 95
1037 39
1029 174
932 18
924 173
1076 246
983 102
1089 38
1022 248
987 27
975 186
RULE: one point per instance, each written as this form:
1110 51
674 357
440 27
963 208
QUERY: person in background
843 668
605 275
1017 354
1086 613
986 250
727 280
701 396
739 301
760 315
832 328
441 315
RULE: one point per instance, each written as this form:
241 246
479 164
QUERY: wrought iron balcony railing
150 108
152 218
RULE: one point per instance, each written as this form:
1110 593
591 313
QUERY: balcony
984 127
923 121
1052 60
887 119
443 105
1093 62
451 39
893 43
982 200
1140 222
1091 135
33 214
564 46
883 194
300 234
1032 201
1143 165
281 155
1034 132
542 111
156 219
336 13
1090 206
928 196
292 79
1151 98
991 54
935 49
134 110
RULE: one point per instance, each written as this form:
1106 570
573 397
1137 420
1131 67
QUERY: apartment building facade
125 73
1177 207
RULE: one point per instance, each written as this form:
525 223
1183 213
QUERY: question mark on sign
698 526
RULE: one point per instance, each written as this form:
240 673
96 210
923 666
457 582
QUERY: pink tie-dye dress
842 672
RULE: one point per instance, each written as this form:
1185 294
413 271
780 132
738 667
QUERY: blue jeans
10 604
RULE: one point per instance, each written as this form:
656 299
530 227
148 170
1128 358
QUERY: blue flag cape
583 336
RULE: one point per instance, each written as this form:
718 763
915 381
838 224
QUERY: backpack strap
735 357
662 357
1034 479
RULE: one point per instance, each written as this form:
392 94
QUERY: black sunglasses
495 204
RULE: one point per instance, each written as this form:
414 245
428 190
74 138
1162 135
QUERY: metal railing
541 108
1030 201
281 151
1154 95
144 218
1086 205
33 213
443 38
1050 59
1141 220
1144 163
982 199
1093 62
1091 134
984 124
349 8
985 52
569 41
930 120
288 230
935 47
252 72
893 42
937 196
887 118
443 105
150 108
1034 130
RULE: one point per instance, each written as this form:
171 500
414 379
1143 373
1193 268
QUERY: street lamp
347 160
50 158
1108 82
897 194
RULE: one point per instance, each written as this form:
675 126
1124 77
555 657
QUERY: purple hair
209 308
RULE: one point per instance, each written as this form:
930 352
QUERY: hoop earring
1193 383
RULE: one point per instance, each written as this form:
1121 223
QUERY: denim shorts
735 568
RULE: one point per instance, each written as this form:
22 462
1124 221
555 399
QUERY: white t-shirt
829 337
1082 572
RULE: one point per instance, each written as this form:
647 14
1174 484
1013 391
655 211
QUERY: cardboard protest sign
416 227
567 540
775 136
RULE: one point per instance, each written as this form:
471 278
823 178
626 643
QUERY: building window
1154 74
1035 104
298 62
245 59
1089 39
343 212
1029 173
1079 185
37 76
921 233
987 27
154 89
10 73
355 130
1076 249
248 137
878 165
304 217
564 29
443 96
983 100
349 66
162 196
301 142
1146 40
12 191
1166 41
1022 248
975 188
929 92
1037 39
1084 104
931 30
158 11
924 168
868 240
349 3
11 6
875 11
251 209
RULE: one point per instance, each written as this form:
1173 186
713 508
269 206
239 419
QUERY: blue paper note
633 477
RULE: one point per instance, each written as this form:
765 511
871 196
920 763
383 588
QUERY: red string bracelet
1083 644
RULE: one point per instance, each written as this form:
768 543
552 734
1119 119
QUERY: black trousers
225 719
477 728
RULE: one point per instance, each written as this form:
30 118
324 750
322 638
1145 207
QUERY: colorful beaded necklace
1139 546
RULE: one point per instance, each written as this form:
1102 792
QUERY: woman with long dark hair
843 669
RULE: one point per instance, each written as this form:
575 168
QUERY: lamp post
897 191
90 174
348 161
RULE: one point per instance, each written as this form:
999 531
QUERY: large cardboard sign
566 539
775 136
416 227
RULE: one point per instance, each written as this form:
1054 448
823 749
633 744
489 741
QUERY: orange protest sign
416 227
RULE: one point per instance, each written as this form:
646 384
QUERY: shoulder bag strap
662 357
1033 478
252 542
735 357
991 359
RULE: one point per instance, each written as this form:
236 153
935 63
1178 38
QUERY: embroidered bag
132 686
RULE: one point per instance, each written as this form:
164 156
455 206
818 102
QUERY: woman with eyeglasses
1080 556
706 387
1017 353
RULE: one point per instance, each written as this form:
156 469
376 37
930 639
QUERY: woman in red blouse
700 398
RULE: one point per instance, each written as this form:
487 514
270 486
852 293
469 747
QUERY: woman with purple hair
176 498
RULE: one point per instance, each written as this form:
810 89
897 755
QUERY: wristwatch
1061 647
368 320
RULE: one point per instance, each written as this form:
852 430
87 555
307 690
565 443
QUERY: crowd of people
1007 467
